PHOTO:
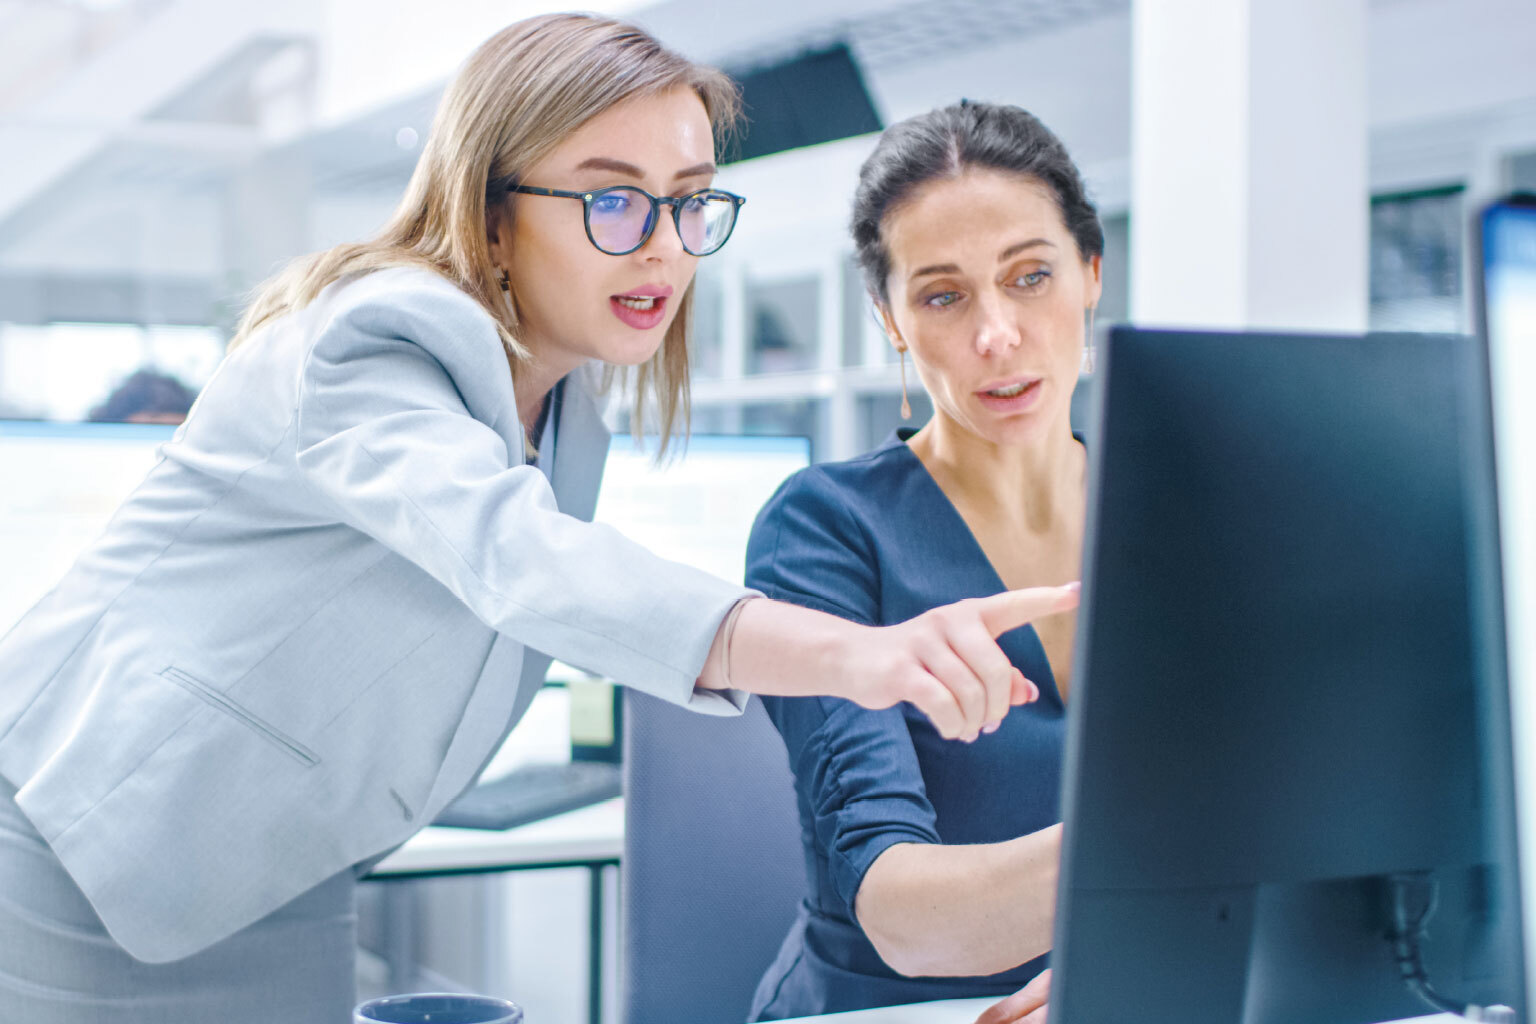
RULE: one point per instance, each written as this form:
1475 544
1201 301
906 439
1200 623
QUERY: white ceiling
174 98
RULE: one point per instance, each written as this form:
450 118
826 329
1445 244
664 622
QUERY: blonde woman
318 616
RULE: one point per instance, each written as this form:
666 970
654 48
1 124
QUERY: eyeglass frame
588 198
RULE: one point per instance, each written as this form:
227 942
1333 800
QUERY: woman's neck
532 381
1038 487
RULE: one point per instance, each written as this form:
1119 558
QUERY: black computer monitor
1276 727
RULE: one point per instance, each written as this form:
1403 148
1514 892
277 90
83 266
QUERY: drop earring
906 406
1090 349
505 281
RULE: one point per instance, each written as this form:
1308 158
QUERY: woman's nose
666 242
997 332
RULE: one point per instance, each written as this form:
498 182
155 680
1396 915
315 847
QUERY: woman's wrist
781 649
727 635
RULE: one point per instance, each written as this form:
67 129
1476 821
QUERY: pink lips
642 319
1017 403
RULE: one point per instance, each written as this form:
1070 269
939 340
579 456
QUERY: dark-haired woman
932 864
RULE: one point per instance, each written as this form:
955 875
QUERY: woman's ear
498 232
892 332
1095 280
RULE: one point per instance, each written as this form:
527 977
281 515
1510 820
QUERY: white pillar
1249 191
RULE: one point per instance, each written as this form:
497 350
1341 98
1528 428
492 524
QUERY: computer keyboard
533 792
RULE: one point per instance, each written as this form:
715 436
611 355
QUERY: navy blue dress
875 540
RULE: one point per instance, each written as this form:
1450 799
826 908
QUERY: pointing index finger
1013 608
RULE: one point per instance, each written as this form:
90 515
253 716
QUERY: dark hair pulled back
944 143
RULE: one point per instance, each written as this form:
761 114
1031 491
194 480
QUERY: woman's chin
635 349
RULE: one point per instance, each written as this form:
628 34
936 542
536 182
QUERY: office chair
713 868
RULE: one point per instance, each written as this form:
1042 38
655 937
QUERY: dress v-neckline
950 510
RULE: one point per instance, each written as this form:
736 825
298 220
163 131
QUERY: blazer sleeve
856 770
385 436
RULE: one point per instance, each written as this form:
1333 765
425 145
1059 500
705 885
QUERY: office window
856 310
1522 172
800 417
1416 254
64 371
708 324
1115 299
879 414
710 419
781 325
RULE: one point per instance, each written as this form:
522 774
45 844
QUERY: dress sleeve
856 770
384 436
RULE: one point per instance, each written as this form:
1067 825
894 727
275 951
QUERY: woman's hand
947 662
1026 1006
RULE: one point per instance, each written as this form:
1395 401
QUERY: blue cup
437 1008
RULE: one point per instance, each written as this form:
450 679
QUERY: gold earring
906 406
1090 349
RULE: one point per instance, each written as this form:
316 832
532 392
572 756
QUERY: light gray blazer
318 616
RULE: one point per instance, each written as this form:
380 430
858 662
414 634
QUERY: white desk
581 838
591 838
945 1011
964 1011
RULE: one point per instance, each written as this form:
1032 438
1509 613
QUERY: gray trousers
59 966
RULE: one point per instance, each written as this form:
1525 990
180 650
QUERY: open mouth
1012 391
1003 392
642 312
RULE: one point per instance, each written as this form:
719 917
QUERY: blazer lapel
581 449
578 452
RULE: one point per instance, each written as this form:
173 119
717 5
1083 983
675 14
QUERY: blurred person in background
145 396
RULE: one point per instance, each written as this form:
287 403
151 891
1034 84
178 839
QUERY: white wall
380 50
1077 80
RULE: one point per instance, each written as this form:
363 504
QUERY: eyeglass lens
620 218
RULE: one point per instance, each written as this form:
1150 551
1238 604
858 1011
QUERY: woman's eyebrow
1013 250
1006 254
604 163
937 268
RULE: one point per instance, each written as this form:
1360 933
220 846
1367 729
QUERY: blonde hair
522 93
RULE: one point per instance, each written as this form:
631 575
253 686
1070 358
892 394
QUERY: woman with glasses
934 863
317 618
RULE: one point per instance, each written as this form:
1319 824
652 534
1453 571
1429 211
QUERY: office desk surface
583 836
596 834
964 1011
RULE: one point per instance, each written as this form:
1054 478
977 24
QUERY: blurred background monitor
697 507
59 485
1279 738
1506 274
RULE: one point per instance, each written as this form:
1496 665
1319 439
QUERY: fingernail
1074 586
990 728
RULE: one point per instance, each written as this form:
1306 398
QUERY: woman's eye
610 203
942 299
1033 279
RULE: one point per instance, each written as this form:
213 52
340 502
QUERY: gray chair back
713 869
